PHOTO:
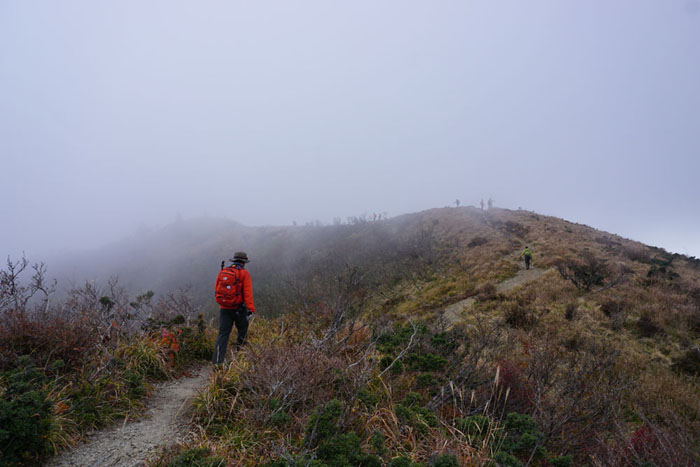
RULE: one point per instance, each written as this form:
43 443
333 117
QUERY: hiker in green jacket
527 254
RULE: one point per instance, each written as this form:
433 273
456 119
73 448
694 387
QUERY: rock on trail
130 443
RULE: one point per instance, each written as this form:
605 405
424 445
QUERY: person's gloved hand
249 314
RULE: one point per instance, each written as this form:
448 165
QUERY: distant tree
490 202
482 204
457 202
14 294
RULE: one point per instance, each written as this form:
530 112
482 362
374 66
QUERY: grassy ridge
594 362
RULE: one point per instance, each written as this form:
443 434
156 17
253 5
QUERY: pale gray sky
120 114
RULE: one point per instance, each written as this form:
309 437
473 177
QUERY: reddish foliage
643 439
170 341
511 376
45 338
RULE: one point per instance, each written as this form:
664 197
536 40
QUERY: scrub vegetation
593 362
72 367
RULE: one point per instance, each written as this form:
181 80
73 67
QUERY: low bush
411 413
393 341
323 423
514 228
477 241
445 460
402 462
518 316
486 292
26 416
196 457
647 327
522 437
425 362
46 337
585 272
611 308
689 362
661 275
637 253
344 450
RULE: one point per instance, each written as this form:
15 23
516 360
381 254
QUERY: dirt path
128 444
454 312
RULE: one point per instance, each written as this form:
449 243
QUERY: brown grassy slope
602 370
660 289
647 310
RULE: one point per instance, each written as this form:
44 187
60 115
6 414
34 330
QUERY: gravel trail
453 312
129 443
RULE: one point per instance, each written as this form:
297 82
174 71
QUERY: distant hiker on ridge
234 294
490 202
482 204
527 254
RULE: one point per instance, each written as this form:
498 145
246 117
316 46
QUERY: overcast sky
116 115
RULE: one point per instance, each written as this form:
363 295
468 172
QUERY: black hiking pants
226 320
527 261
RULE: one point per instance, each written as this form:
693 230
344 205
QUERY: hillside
418 340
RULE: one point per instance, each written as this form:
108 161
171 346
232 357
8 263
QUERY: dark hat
240 256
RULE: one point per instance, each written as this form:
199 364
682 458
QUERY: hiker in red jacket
234 294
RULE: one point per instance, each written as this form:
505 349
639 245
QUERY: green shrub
385 362
323 423
425 362
345 450
445 460
398 338
426 416
561 461
404 414
136 383
504 459
368 398
25 414
426 380
411 399
377 442
402 462
280 418
444 343
197 457
522 436
409 412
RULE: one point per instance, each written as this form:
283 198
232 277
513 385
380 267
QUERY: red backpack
229 287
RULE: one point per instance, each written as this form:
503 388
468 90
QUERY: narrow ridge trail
454 312
128 443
